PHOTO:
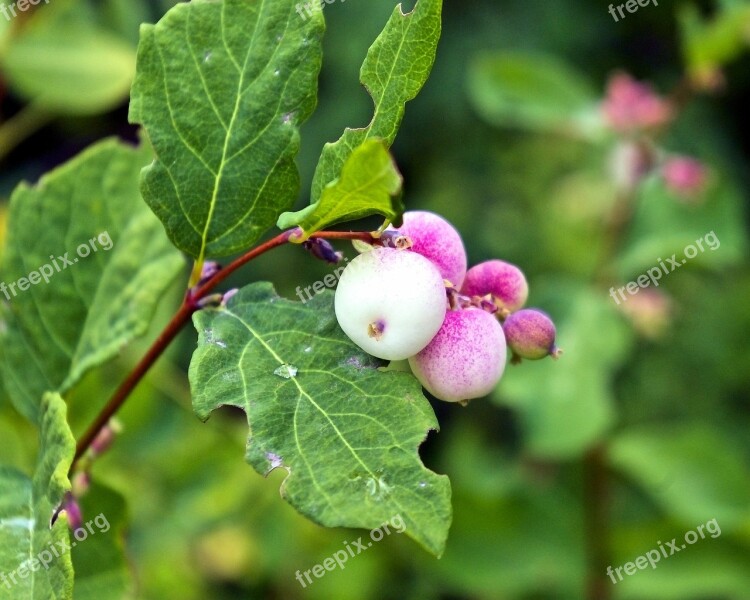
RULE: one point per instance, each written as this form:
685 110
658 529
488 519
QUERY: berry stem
190 305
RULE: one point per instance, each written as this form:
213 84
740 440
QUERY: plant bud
530 334
73 512
323 250
105 438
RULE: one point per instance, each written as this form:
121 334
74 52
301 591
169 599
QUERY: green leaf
26 507
369 184
319 407
52 333
712 567
690 470
221 88
535 92
567 405
717 210
708 45
395 69
66 65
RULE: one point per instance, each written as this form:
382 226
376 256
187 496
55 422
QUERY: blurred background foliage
637 434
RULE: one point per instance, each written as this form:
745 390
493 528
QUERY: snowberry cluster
414 299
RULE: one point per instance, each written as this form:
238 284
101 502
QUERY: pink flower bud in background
684 176
649 311
632 105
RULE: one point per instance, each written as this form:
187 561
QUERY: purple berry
504 281
530 334
434 238
465 359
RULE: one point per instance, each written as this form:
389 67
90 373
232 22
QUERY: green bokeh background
636 435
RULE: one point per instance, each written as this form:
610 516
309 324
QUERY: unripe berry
504 281
436 239
465 359
530 334
390 302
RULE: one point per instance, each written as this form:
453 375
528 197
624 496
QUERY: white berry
390 302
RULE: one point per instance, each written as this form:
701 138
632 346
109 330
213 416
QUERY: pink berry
435 238
465 359
684 175
504 281
530 334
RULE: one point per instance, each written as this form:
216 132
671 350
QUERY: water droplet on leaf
286 371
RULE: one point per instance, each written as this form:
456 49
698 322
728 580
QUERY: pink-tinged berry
684 176
530 334
631 105
505 282
465 359
436 239
390 302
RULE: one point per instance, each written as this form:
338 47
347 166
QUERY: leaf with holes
221 88
370 183
85 266
397 66
26 508
319 407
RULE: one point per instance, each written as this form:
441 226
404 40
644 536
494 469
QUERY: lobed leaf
395 69
320 408
221 88
54 331
369 184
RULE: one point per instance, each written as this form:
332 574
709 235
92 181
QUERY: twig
190 305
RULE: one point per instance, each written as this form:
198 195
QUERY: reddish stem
190 305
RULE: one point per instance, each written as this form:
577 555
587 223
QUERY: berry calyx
436 239
466 358
505 282
390 302
530 334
